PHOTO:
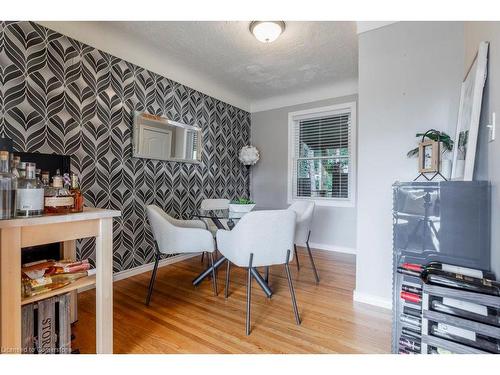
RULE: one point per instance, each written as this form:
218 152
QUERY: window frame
312 113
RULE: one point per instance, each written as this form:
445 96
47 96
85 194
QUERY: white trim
334 248
336 90
144 268
364 26
371 300
321 111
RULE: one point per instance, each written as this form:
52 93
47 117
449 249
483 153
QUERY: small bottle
77 193
45 176
8 183
15 165
22 169
58 199
30 194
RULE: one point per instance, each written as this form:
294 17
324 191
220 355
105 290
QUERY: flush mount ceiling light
267 31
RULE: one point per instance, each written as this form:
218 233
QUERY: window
322 155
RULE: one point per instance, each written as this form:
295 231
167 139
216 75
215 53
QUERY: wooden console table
18 233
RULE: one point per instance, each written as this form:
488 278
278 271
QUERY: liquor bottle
8 183
471 272
33 287
58 199
76 193
30 194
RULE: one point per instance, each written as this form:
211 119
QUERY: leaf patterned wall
58 95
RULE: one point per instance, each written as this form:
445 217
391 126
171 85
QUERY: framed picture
469 112
428 157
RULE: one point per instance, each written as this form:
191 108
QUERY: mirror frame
138 116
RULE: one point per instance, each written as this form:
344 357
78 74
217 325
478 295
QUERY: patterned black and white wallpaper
58 95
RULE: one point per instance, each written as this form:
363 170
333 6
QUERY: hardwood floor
184 319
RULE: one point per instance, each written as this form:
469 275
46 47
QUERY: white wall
409 81
334 227
487 166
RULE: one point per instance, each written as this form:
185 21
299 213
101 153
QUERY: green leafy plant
435 135
242 201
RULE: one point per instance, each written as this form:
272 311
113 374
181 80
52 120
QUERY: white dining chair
304 211
174 236
260 239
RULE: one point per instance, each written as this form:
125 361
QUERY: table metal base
260 280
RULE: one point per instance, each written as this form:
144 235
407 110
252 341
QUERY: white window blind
322 156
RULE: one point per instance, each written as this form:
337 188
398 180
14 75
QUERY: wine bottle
408 332
408 272
466 337
458 281
414 321
483 314
413 312
471 272
410 342
411 297
411 289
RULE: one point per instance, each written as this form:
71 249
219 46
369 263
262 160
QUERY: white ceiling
310 60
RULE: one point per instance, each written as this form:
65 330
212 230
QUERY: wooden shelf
80 283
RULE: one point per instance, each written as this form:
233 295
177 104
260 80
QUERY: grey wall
333 226
487 165
409 80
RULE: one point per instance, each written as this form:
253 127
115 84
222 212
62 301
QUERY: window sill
348 203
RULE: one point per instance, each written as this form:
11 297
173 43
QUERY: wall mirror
159 138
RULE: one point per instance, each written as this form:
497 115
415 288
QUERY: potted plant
446 148
241 206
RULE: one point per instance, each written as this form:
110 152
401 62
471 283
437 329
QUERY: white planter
241 208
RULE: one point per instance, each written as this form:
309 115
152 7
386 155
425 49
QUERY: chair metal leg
153 277
292 291
249 293
202 256
266 274
316 275
214 274
296 257
228 270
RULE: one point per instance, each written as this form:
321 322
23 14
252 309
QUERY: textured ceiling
307 56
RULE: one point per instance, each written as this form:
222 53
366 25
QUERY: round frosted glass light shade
267 31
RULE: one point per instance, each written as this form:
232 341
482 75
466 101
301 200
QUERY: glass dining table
232 218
